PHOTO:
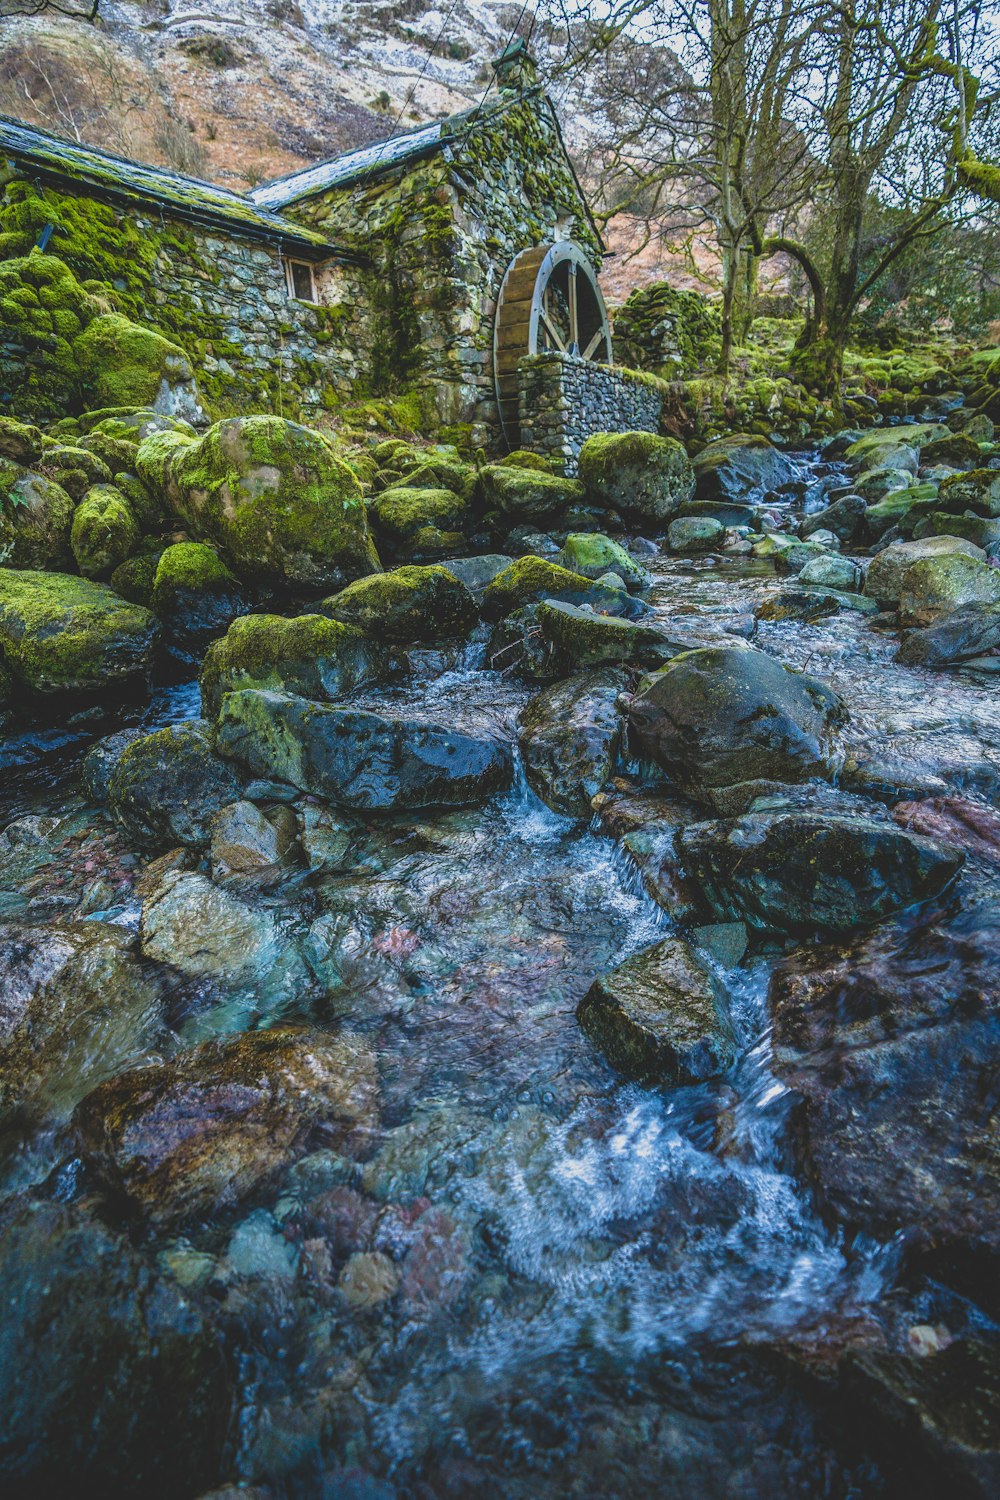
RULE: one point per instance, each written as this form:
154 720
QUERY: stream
536 1280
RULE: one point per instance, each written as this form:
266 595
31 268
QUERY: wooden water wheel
549 299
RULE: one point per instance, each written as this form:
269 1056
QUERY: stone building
445 260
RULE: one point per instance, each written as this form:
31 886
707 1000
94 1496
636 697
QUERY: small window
301 284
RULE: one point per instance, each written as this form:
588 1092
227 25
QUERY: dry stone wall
563 400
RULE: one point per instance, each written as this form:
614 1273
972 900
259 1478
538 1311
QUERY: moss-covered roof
50 158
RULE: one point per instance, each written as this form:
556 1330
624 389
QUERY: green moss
310 655
401 513
191 565
104 533
35 519
528 580
590 554
521 458
122 362
59 633
134 578
406 605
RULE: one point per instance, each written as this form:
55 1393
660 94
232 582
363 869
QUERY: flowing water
599 1288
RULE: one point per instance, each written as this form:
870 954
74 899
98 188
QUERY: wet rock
105 532
367 1279
938 586
958 450
642 475
248 842
727 714
896 455
112 1380
325 837
359 759
805 872
955 821
205 932
527 495
841 573
891 1046
977 490
194 593
911 434
659 1017
60 634
741 465
477 573
308 654
884 579
843 518
36 516
728 513
569 735
166 787
198 1134
813 604
579 638
591 555
407 605
695 534
273 494
531 579
74 1005
971 631
978 530
101 759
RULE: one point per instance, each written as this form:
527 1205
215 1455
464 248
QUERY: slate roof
49 158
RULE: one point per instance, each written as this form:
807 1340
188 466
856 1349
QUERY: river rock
101 759
417 523
590 555
74 1005
194 593
909 434
937 586
272 493
695 534
640 474
808 872
477 573
843 518
977 490
579 638
891 1046
957 450
740 466
205 932
248 842
813 604
196 1135
112 1380
167 786
60 634
659 1017
527 495
884 579
569 735
36 517
407 605
840 573
973 630
308 654
727 714
531 579
358 759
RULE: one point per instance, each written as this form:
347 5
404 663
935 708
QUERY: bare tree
84 10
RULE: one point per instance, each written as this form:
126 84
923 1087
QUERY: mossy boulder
62 634
724 715
144 505
971 631
21 442
528 580
937 586
903 508
194 593
134 578
884 579
569 736
578 638
977 490
359 760
166 787
958 450
695 534
124 363
194 1136
591 554
105 532
271 493
660 1017
310 655
406 605
641 475
76 469
523 458
117 453
418 523
911 434
981 531
531 495
741 465
36 519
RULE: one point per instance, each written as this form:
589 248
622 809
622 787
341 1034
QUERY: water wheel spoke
574 313
552 332
592 347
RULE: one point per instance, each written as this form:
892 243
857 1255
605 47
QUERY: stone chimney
515 68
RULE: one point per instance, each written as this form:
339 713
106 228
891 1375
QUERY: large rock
75 1005
660 1017
843 518
308 654
569 736
194 593
112 1380
977 490
205 932
525 494
105 532
809 872
888 568
273 494
406 606
368 761
642 475
938 586
197 1134
591 555
971 631
166 787
891 1046
420 522
728 714
60 634
577 638
36 517
909 434
530 579
742 465
124 363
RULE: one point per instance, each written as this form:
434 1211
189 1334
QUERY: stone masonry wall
563 400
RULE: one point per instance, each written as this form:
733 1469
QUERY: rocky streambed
528 1028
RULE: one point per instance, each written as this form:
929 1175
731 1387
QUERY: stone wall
563 400
442 232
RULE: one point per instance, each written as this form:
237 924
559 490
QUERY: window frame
291 264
